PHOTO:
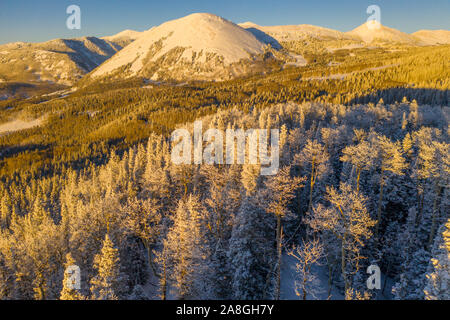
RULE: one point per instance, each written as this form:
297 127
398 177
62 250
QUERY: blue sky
41 20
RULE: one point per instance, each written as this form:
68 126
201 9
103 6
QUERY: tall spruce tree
109 283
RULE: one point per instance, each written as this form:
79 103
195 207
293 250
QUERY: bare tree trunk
164 282
278 275
330 278
380 201
357 179
420 195
312 182
343 264
304 285
435 216
150 260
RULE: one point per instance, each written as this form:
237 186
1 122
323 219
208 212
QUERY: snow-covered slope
200 45
60 61
296 32
123 38
432 37
373 31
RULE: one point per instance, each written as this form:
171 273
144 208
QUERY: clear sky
41 20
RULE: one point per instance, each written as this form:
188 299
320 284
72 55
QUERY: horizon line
237 23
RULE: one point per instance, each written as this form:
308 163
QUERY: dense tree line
82 128
358 185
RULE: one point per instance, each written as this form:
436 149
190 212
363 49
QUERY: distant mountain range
369 33
200 46
372 31
433 37
123 38
61 61
293 32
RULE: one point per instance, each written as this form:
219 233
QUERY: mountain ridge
297 32
205 47
62 61
200 45
433 37
373 31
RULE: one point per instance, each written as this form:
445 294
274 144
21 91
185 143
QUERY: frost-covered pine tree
388 158
414 260
314 159
109 283
412 279
142 220
440 171
186 244
280 190
360 157
251 251
222 202
438 279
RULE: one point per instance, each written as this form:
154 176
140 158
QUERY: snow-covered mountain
200 46
432 37
123 38
373 31
294 32
368 32
60 61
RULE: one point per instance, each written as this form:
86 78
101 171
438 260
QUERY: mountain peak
199 42
372 25
372 31
248 24
292 32
125 34
202 15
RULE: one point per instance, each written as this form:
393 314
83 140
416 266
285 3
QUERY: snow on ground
126 34
342 76
288 276
347 47
17 125
300 61
288 282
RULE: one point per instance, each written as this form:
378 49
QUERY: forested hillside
363 180
367 181
83 126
